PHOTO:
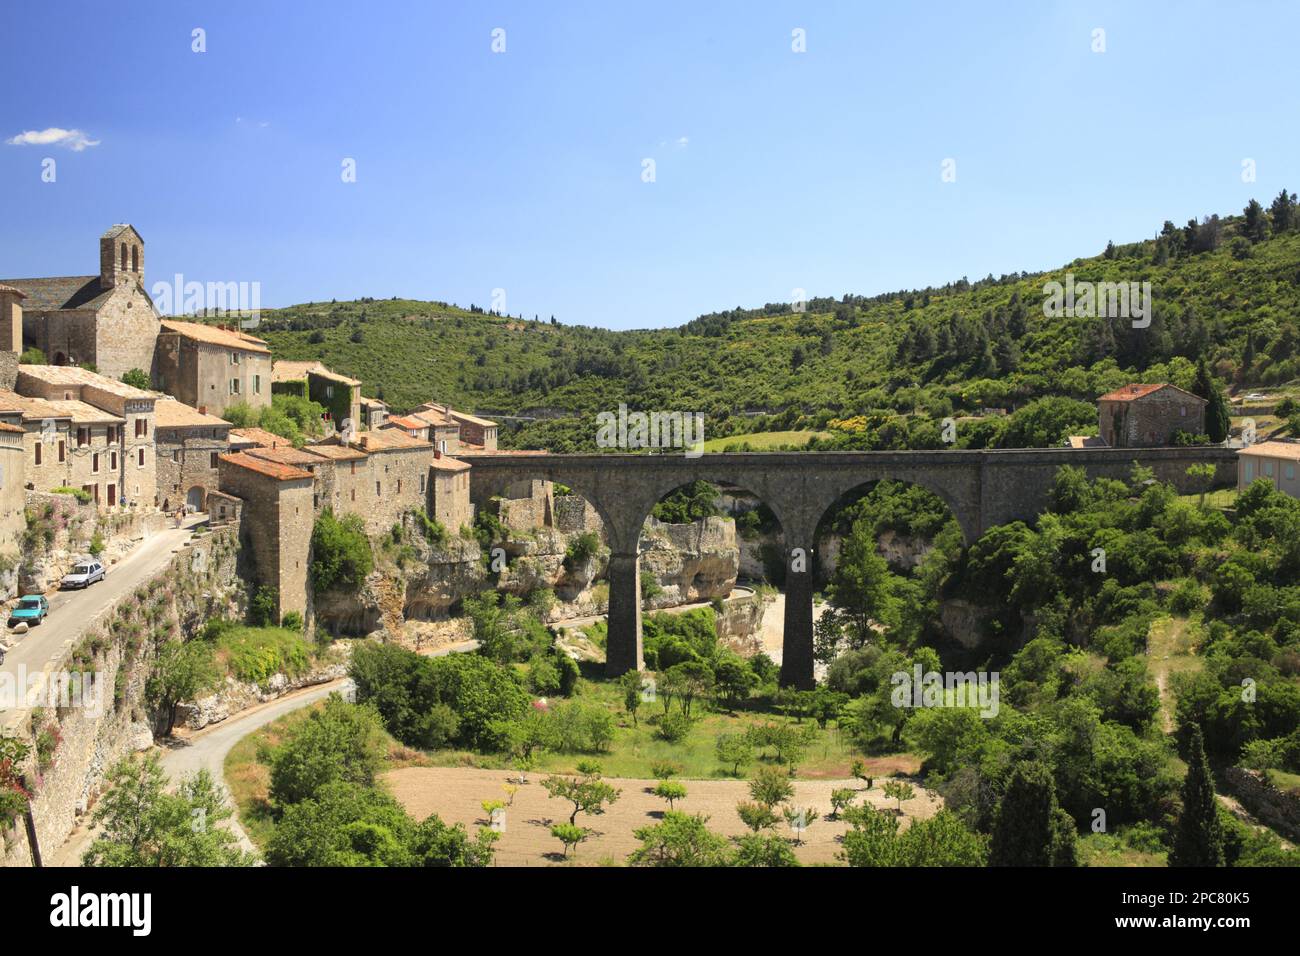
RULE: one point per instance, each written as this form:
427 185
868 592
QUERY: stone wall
574 514
185 461
113 661
8 370
63 532
1277 808
126 332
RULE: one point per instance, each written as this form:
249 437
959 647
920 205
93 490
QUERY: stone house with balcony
189 445
211 367
1149 416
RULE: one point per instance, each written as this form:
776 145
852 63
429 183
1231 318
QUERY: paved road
209 747
71 611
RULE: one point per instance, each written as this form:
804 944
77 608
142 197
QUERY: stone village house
189 444
108 447
379 476
1148 416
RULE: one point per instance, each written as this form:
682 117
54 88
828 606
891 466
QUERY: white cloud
73 139
683 142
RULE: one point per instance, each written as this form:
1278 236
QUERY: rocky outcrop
689 562
739 621
963 621
1280 809
235 696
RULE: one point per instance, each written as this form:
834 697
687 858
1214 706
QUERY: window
135 258
94 463
63 450
38 453
213 460
1290 472
329 391
257 385
141 428
354 494
234 386
176 455
399 486
140 459
234 358
124 257
1268 468
422 484
112 461
83 436
379 491
354 467
1250 470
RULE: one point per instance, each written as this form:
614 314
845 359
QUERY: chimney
11 319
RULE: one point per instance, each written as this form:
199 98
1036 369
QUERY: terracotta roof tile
214 335
261 466
169 413
257 436
1134 391
1273 449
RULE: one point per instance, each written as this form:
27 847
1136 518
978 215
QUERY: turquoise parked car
30 610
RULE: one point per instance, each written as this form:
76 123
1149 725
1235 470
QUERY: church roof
60 292
117 229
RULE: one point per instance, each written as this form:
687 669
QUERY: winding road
71 611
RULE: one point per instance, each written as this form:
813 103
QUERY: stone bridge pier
982 488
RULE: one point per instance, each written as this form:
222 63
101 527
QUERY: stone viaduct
983 489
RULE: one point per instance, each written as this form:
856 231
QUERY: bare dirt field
456 795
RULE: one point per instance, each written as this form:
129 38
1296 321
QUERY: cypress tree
1198 837
1031 829
1217 422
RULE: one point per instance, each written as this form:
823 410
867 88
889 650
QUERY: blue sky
522 170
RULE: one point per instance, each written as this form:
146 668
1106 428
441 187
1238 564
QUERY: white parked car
83 575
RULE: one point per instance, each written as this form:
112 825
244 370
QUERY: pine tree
1198 836
1256 225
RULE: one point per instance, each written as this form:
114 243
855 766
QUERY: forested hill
879 371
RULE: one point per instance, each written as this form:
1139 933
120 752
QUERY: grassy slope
414 351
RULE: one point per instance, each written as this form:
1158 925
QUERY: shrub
581 549
674 727
137 378
341 555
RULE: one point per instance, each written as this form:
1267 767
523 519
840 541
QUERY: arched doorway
196 499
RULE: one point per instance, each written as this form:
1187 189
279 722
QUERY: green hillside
880 371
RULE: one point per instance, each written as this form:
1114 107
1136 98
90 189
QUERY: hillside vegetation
1227 289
